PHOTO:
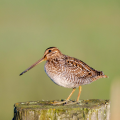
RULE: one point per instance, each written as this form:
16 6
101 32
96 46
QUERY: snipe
67 71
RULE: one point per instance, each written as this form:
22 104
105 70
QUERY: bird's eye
49 51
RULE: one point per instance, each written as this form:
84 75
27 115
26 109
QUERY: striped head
52 52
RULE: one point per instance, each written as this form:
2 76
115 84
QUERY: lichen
44 110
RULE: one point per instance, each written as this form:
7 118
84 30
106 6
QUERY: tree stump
43 110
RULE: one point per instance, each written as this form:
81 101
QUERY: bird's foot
72 103
65 102
60 103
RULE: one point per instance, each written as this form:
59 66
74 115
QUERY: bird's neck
57 57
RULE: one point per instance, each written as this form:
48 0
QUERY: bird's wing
78 68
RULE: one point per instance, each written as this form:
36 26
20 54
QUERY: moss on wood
44 110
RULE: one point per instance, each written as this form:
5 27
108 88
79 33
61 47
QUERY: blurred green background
87 30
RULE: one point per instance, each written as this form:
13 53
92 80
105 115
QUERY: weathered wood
43 110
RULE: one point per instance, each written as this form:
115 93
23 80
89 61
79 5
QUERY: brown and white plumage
67 71
70 72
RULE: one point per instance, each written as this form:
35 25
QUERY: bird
67 71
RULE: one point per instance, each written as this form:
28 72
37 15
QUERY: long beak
39 61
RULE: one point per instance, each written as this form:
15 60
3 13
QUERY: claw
59 103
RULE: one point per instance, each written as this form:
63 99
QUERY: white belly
59 80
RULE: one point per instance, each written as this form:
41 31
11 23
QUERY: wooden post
43 110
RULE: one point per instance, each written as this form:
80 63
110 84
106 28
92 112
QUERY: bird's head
51 52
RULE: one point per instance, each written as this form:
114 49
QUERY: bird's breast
58 75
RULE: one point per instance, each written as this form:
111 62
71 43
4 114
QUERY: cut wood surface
93 109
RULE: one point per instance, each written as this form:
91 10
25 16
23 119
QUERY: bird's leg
71 94
66 99
80 89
